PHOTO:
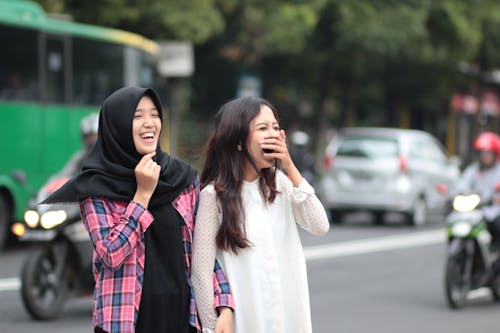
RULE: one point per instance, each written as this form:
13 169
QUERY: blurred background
325 64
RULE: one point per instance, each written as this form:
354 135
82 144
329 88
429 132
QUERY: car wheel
378 217
336 216
419 215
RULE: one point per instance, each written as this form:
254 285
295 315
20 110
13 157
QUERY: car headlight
52 218
461 229
31 217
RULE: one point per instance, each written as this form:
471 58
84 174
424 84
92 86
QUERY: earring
238 147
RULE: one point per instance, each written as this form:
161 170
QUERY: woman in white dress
247 219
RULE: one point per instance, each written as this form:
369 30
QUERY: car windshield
368 147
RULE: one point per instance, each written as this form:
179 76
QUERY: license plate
38 235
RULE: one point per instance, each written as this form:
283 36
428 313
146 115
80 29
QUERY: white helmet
89 124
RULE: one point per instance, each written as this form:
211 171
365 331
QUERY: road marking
10 284
374 245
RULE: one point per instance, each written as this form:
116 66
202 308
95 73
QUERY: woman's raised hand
280 151
147 173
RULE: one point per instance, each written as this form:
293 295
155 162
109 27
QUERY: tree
194 20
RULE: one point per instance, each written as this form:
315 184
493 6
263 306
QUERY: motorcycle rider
88 131
482 177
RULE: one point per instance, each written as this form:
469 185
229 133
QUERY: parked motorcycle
60 265
470 255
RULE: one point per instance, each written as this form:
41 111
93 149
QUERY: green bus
53 72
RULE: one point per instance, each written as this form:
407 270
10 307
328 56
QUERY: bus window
18 69
97 70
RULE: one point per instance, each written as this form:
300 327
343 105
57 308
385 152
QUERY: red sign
489 103
471 104
457 102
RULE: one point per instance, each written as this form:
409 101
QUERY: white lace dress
269 279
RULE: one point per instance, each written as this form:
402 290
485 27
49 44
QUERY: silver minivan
384 170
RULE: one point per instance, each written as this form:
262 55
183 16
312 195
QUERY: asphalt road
363 278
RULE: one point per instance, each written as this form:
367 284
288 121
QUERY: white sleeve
204 251
307 209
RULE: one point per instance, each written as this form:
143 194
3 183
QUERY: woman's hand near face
147 173
224 322
278 145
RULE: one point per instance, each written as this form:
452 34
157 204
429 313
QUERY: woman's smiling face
146 126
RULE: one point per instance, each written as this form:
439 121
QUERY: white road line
374 245
10 284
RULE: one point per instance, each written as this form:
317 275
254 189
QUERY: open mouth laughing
147 136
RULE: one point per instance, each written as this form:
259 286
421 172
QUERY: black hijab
108 170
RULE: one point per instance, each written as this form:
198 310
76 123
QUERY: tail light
403 164
327 161
442 188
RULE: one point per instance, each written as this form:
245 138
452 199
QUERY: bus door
55 67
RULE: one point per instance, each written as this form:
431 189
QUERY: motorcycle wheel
456 288
44 285
495 290
4 221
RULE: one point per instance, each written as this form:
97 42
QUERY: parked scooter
471 256
60 265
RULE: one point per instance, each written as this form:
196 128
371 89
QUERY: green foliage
266 28
194 20
287 29
387 30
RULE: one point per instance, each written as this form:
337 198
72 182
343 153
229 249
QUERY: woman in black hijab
138 205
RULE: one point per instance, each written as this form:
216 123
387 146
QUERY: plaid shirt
117 232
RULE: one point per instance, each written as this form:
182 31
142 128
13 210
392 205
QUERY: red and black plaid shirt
117 232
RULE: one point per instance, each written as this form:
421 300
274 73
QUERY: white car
387 170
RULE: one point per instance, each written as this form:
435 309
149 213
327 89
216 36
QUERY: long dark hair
225 156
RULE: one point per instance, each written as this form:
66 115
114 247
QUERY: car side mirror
20 176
